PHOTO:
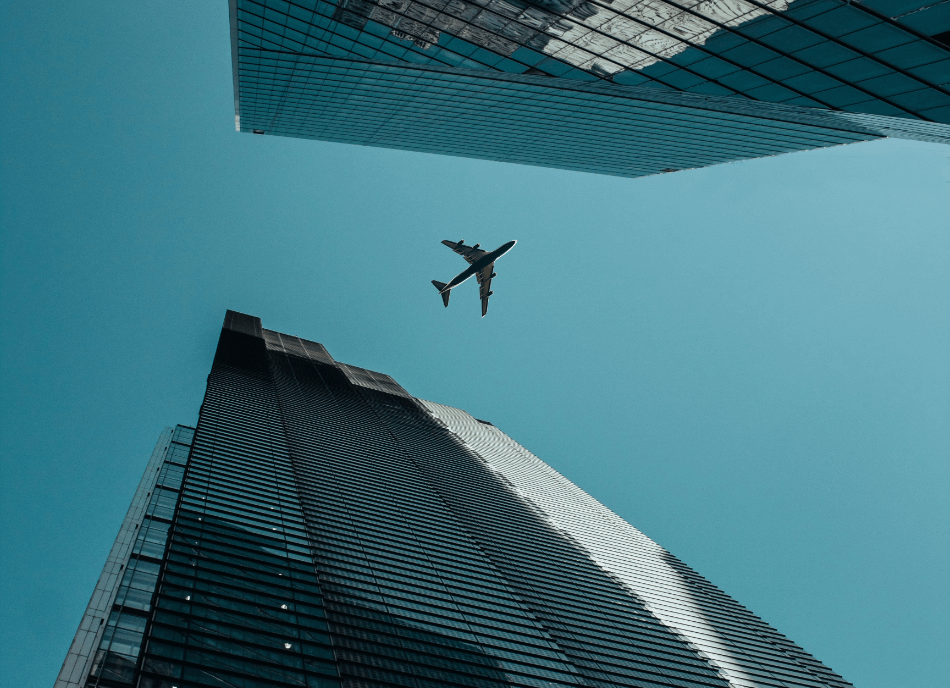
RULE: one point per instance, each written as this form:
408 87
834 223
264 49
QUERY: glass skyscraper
621 87
322 528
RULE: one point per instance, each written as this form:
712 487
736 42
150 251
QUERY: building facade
322 528
620 87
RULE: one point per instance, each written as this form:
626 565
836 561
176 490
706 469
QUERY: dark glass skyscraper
321 528
621 87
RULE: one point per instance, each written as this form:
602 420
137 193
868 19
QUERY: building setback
619 87
322 528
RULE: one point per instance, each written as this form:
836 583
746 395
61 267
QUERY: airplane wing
484 285
467 252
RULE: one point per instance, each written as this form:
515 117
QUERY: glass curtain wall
325 529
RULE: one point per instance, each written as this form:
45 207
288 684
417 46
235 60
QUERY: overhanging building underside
627 88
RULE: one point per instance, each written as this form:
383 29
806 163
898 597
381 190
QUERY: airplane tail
445 294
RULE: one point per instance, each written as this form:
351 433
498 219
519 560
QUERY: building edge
83 648
725 637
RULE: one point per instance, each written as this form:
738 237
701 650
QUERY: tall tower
619 87
322 528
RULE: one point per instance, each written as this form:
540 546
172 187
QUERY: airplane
480 263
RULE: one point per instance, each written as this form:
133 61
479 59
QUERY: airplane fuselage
482 262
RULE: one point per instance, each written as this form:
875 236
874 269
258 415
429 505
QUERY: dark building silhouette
620 87
322 528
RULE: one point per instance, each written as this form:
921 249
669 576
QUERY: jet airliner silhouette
480 263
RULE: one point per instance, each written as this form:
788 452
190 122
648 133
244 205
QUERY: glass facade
622 87
328 530
107 645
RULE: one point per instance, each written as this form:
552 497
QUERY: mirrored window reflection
152 538
171 475
138 584
162 504
121 640
119 648
183 435
177 453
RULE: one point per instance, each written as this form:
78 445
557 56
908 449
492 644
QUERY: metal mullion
892 21
792 130
645 127
311 25
793 136
746 145
573 86
862 53
278 109
774 50
805 135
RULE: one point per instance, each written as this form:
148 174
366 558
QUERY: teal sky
750 362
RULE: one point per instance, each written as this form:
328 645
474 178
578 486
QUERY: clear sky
750 362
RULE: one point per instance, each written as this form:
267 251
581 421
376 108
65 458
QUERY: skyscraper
621 87
322 528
